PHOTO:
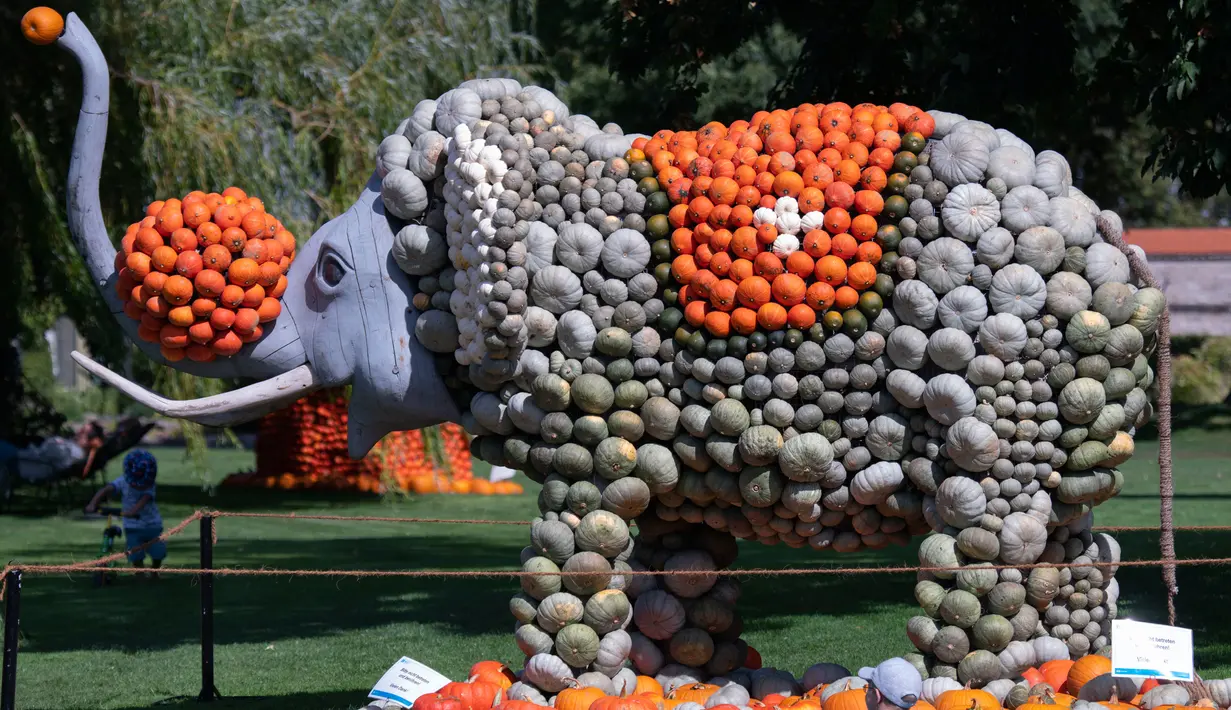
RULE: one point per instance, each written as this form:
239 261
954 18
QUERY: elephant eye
330 270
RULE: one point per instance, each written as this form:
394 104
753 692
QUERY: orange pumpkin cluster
1064 680
304 446
1054 684
832 159
203 274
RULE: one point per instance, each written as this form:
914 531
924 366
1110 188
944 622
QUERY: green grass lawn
321 643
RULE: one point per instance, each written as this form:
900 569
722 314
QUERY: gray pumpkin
945 264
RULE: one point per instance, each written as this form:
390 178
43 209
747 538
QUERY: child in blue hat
142 521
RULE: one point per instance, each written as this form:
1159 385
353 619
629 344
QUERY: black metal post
208 691
12 620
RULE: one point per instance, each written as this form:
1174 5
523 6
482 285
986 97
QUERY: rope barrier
364 518
475 574
1113 231
94 564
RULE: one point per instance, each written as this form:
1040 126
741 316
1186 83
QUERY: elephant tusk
227 409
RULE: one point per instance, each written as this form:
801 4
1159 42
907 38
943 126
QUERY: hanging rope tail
1112 229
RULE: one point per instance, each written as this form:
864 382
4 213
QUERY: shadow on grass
347 700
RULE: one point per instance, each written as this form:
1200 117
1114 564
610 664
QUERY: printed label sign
406 681
1151 651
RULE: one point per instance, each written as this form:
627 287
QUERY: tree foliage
1093 79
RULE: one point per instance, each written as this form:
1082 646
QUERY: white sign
406 681
1143 650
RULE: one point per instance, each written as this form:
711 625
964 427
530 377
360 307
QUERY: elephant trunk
278 358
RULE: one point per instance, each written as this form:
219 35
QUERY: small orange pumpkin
42 25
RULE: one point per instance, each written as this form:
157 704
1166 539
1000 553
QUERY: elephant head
347 315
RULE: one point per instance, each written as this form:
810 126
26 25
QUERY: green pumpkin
1087 455
1095 367
978 668
1148 307
626 425
921 630
1042 585
593 394
552 539
1119 383
550 392
603 532
950 644
1088 331
614 458
523 607
589 430
1006 598
559 610
583 497
992 632
607 611
553 494
692 647
626 497
573 461
960 608
593 573
977 578
929 594
761 486
630 394
577 645
541 586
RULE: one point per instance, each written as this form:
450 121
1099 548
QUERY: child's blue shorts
138 537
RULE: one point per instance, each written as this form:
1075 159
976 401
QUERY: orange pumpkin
851 699
831 270
718 323
1056 673
816 243
42 25
1085 670
694 693
788 289
846 297
861 275
967 699
753 292
801 316
580 698
771 316
744 321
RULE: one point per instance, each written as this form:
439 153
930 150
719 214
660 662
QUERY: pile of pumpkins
1086 684
831 326
204 275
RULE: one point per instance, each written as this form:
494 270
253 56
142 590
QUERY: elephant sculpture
833 327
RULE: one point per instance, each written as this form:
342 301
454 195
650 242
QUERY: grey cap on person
897 680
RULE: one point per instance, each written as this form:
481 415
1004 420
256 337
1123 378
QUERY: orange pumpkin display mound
212 265
775 205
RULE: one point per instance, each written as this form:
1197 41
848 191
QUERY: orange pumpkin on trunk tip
42 25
